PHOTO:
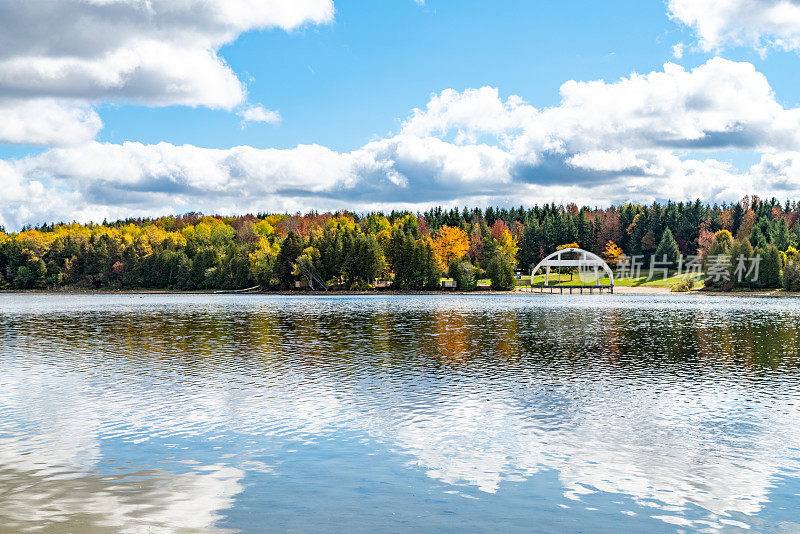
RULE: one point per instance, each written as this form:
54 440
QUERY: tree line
410 250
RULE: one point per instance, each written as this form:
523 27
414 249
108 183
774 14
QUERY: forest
401 250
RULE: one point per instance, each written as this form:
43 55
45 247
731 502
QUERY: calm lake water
195 413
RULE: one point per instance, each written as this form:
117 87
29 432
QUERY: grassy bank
619 282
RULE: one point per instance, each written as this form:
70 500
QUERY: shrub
683 286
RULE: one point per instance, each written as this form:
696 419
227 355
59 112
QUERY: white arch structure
586 260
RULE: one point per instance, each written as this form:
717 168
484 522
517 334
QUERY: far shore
618 290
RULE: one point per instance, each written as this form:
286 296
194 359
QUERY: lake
253 413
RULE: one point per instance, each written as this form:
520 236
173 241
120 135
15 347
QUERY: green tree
769 274
291 248
180 272
719 248
741 253
757 238
795 235
791 276
464 274
23 278
362 259
501 273
668 248
431 273
38 272
413 262
331 254
306 266
781 236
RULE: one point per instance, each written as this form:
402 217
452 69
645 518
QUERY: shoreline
618 291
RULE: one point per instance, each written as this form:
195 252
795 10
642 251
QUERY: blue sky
343 83
142 112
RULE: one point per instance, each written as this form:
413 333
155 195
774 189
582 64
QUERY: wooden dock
571 289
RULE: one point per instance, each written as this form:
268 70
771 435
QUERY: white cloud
781 172
152 52
158 52
605 142
471 113
259 114
47 121
659 446
760 24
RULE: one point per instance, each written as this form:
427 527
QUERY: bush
683 286
791 276
501 273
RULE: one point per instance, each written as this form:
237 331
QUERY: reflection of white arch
587 260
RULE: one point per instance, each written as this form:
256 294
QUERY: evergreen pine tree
668 248
291 248
757 238
501 273
769 274
780 234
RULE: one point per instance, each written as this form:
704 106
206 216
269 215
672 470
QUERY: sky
118 108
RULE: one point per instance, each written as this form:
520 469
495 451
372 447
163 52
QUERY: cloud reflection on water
436 381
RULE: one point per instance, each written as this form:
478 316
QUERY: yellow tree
342 222
612 253
508 246
262 261
263 228
450 244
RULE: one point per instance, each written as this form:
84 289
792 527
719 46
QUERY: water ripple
209 413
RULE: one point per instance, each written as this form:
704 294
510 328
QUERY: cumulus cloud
720 104
259 114
152 52
47 121
760 24
158 52
605 142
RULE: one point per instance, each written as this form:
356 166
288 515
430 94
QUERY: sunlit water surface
250 413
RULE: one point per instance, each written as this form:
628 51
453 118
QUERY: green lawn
621 282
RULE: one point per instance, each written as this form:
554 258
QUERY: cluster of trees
348 250
734 262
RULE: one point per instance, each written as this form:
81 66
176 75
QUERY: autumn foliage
450 244
346 249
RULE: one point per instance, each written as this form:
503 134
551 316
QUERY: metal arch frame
587 258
